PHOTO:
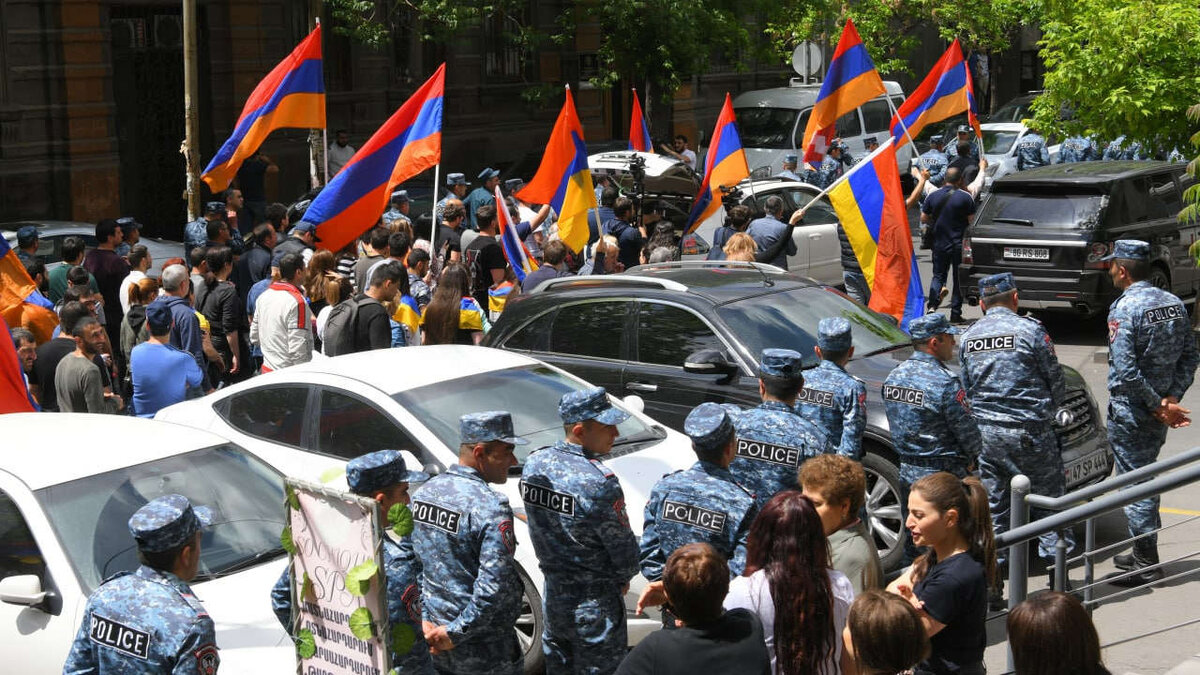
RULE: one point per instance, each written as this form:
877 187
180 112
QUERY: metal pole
191 122
844 176
1060 562
1089 564
437 169
324 129
1018 554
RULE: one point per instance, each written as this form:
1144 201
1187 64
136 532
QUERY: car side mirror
634 403
709 362
22 589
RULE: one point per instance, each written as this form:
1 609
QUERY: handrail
1114 483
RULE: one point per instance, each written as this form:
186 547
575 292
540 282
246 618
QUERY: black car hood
874 369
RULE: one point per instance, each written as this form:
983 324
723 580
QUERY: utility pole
191 121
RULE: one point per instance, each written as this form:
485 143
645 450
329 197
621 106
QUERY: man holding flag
724 166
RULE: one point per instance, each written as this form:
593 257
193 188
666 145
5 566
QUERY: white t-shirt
689 158
754 593
133 277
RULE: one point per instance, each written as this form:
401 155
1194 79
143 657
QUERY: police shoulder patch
694 516
961 397
1113 327
207 660
508 536
436 516
412 601
126 639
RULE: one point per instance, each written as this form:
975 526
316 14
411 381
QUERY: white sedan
1000 148
68 485
308 420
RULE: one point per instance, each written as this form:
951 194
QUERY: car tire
884 521
529 626
1159 279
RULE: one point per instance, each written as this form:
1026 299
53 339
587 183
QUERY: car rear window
1048 208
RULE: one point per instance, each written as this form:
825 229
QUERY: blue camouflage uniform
790 174
952 151
833 167
480 196
1151 356
1119 149
1078 149
1015 385
1032 152
935 161
703 503
393 216
584 544
366 475
452 179
832 398
148 621
465 540
929 416
127 223
772 440
195 233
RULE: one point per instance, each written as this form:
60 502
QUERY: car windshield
91 515
530 393
789 320
997 142
766 127
1048 208
1013 111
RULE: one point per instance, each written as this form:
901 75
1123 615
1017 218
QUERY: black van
1051 226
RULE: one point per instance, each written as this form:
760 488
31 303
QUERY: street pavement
1082 345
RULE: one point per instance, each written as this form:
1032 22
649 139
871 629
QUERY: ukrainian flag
724 166
408 314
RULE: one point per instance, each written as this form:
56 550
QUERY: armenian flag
724 166
563 179
972 111
290 96
514 249
870 205
407 144
946 91
21 304
850 82
639 133
14 395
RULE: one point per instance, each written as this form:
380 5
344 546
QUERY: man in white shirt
681 151
340 152
139 262
283 323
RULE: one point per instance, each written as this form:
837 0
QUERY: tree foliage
1191 196
1118 67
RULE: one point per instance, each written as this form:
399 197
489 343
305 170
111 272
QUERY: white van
772 123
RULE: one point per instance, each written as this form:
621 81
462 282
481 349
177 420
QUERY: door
818 235
587 339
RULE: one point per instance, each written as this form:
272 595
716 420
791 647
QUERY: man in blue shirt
949 211
161 373
630 237
767 230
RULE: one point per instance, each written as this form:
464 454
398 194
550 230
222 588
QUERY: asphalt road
1082 344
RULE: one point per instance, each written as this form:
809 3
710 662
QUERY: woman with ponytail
790 585
949 517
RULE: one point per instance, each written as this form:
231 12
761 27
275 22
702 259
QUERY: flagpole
900 121
865 160
437 168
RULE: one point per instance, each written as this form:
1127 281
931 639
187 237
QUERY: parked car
308 420
818 253
1015 110
1000 148
51 234
635 333
65 504
1051 226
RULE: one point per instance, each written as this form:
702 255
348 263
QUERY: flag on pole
725 165
639 133
850 82
407 144
870 205
972 111
21 304
563 180
290 96
14 395
946 91
514 249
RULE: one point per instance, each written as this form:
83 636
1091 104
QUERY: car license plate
1084 468
1026 253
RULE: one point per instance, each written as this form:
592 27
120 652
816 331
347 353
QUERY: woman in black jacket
217 300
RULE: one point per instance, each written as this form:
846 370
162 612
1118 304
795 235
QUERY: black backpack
342 326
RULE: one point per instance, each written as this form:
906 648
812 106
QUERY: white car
68 485
308 420
1000 148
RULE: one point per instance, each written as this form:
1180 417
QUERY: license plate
1085 467
1026 253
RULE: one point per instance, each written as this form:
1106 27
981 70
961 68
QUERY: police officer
772 440
457 185
927 410
1017 392
581 535
834 164
832 398
195 233
1031 150
789 167
703 503
382 476
871 144
1119 149
935 160
963 136
1078 149
1152 360
398 213
148 621
464 538
482 195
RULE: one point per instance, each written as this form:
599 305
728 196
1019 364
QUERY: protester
255 264
418 267
454 317
134 330
317 274
337 289
162 374
740 247
185 331
77 379
630 237
375 245
26 345
110 270
217 300
282 323
837 485
791 588
73 249
484 257
1051 634
884 634
53 351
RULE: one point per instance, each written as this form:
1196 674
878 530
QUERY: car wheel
529 626
1159 279
884 521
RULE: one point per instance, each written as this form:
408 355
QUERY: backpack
341 327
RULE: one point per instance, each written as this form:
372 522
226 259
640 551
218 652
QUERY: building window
501 57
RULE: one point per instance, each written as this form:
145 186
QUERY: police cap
483 427
377 470
167 523
709 426
833 334
590 404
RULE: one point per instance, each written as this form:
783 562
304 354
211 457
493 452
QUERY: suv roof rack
609 280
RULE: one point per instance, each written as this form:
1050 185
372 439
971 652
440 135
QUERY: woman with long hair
884 634
789 584
1051 634
741 247
316 275
453 316
133 326
947 585
217 300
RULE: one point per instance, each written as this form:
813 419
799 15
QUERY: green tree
1118 67
1191 196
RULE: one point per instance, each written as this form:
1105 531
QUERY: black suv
1051 226
633 333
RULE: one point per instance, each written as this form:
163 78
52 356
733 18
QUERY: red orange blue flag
14 394
21 304
972 111
870 205
639 133
563 180
946 91
407 144
725 165
850 82
514 249
290 96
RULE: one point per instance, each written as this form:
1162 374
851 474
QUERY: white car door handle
814 236
641 386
